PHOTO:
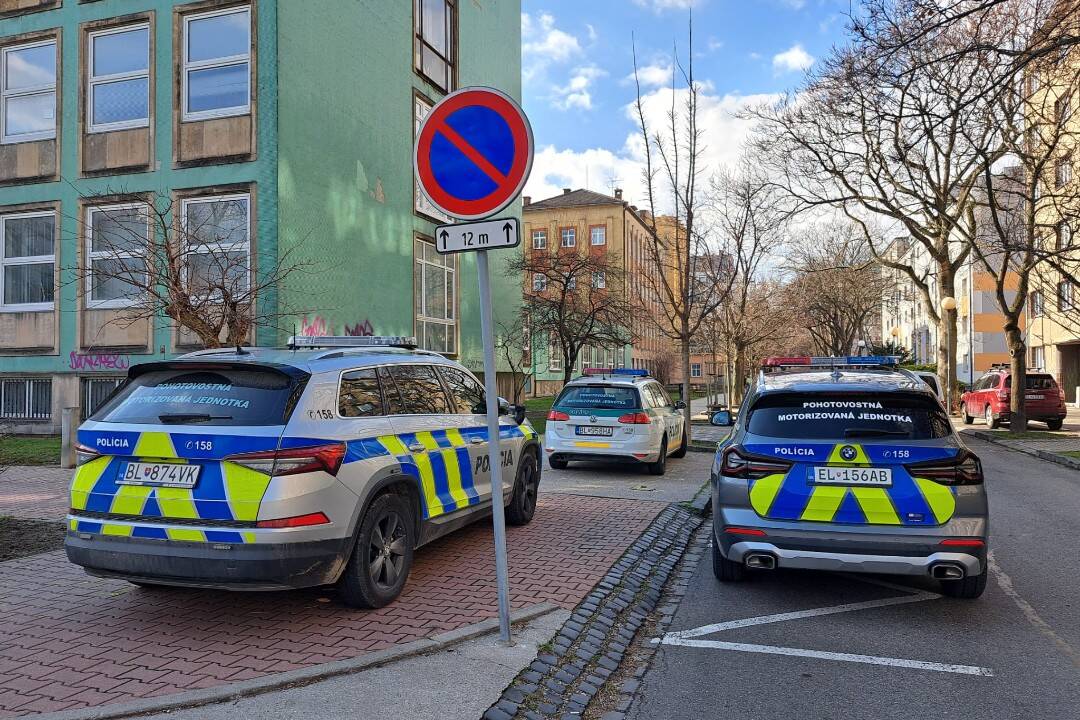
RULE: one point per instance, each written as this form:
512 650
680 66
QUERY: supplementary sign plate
469 237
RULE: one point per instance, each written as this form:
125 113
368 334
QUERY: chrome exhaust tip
760 561
947 571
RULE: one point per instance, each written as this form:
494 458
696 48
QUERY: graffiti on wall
314 327
98 361
317 326
361 329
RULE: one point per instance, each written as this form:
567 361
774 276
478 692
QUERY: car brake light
84 454
291 461
558 415
963 469
635 418
1003 395
744 531
962 542
750 467
317 518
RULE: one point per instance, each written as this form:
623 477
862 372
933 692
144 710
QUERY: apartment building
289 124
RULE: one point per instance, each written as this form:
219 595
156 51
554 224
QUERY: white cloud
659 6
544 43
651 76
795 4
792 59
715 44
591 32
576 93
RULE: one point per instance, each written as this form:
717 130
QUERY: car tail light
635 418
750 467
308 520
963 469
754 532
1003 395
84 454
558 415
291 461
963 542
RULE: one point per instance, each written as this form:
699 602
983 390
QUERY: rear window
599 397
839 417
1035 382
223 396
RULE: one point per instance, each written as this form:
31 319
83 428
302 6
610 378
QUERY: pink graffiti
98 361
316 327
364 329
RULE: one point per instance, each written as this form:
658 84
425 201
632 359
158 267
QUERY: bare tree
514 343
664 366
146 260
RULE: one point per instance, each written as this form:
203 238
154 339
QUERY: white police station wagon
266 469
620 415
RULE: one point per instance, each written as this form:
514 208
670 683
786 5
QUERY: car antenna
240 350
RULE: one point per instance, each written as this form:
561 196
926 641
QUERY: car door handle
416 447
477 440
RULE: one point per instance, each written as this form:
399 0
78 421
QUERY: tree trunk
1014 338
946 365
684 351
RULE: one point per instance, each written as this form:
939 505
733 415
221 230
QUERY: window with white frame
567 237
1036 303
1063 171
433 44
539 282
555 358
1064 236
95 391
117 237
1065 295
695 370
571 282
25 398
27 261
28 92
599 279
118 93
216 73
421 107
217 243
539 239
1038 358
435 287
598 235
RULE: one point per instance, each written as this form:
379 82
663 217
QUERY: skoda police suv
848 464
263 469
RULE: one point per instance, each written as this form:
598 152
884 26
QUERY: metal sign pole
494 455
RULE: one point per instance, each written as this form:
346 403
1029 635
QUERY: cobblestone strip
568 673
1035 448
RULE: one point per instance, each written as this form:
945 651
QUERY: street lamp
862 346
948 304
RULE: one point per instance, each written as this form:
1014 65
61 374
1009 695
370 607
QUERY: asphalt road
1014 653
684 477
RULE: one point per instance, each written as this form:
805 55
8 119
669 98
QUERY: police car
621 415
265 469
848 464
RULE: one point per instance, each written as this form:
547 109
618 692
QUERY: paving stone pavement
68 640
34 492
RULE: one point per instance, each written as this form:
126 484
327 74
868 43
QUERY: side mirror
680 405
519 414
721 418
504 406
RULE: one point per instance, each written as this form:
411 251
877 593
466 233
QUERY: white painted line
823 655
799 615
1006 584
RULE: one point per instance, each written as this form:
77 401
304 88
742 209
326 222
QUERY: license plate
159 474
1035 397
594 430
879 477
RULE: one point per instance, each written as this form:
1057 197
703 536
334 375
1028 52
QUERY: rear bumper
1034 414
642 449
261 566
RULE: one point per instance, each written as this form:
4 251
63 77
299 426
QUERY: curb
1041 454
303 676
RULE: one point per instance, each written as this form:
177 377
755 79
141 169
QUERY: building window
27 259
1063 172
555 358
598 235
1038 358
433 46
539 238
695 370
1064 236
568 237
539 282
28 92
116 241
216 75
1036 299
1063 109
571 282
95 391
435 284
421 204
599 279
118 94
25 399
1065 295
217 241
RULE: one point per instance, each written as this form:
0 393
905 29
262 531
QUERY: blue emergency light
637 372
826 361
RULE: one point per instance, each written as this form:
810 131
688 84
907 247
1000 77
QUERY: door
467 429
673 419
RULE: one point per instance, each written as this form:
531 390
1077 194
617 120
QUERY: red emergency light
781 361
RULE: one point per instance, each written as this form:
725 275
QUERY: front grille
194 522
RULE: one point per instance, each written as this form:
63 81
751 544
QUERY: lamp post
862 347
948 304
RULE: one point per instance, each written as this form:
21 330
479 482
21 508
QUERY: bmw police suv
619 415
848 464
266 469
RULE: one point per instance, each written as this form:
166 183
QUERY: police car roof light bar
348 341
614 372
831 362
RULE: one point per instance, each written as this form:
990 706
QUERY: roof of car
862 380
313 360
628 380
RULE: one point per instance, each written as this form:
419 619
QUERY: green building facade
290 122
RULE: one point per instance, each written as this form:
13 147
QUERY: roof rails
312 342
620 373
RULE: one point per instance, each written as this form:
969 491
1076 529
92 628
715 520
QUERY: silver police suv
265 469
837 465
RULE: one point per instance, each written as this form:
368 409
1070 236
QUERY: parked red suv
989 398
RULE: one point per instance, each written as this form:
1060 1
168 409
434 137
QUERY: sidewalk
1062 447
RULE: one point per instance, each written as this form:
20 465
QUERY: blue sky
577 63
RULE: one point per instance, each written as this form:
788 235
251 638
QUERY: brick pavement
68 640
37 493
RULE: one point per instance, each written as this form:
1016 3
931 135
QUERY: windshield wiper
184 418
874 432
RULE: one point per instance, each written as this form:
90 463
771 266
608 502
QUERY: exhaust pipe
947 571
760 561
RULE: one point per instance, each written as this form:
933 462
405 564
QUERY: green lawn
30 450
1007 434
1072 454
536 409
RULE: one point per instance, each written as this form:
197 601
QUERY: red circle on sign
508 186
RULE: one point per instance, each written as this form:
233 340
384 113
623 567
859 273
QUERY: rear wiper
184 418
873 432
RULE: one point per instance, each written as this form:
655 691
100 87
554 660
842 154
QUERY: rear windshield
203 397
1035 382
838 417
600 397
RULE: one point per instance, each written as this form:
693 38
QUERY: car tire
681 452
968 419
725 570
522 505
660 466
380 565
1054 424
557 463
991 422
967 588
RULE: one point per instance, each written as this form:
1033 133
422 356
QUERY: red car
989 398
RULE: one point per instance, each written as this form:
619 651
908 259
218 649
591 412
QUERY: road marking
823 655
1006 584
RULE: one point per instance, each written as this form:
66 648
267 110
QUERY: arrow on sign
483 235
508 228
